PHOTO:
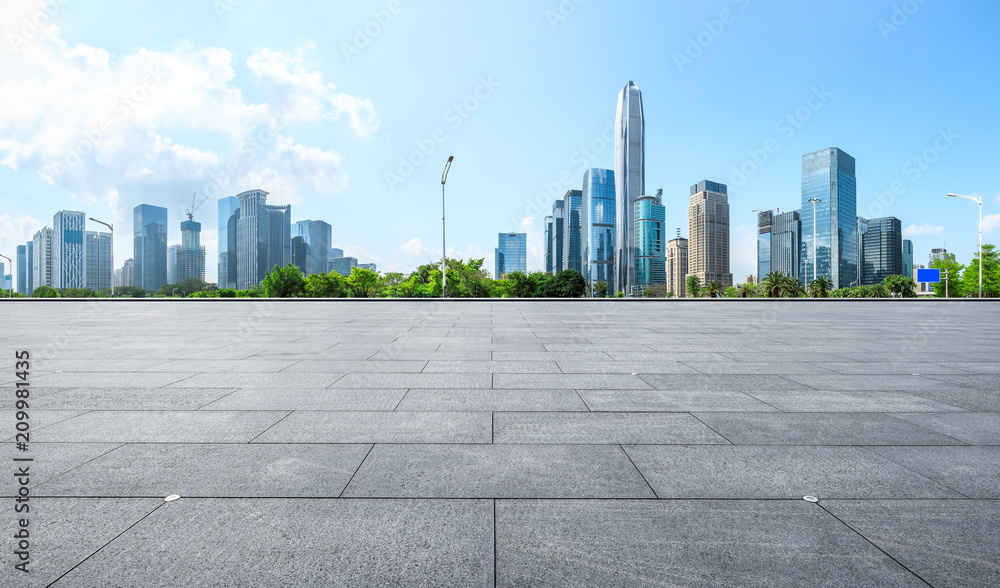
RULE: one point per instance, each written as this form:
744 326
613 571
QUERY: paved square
507 443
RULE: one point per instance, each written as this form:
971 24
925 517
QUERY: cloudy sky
348 110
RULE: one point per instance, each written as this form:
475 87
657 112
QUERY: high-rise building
677 266
343 265
882 250
708 231
300 254
573 231
149 230
597 226
630 180
69 255
125 275
511 254
828 175
229 213
6 279
100 260
22 270
558 235
172 263
786 239
764 225
317 237
279 236
253 249
907 257
41 259
939 255
368 266
650 241
548 244
336 252
190 256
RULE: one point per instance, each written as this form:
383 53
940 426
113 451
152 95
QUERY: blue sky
184 97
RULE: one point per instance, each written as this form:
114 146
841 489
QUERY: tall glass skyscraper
149 243
598 226
69 255
279 236
253 253
100 260
786 243
229 212
317 239
764 220
558 235
572 231
548 244
630 181
828 175
881 249
190 254
511 253
907 258
650 241
41 259
22 270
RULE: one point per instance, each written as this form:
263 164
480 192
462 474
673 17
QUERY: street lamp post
112 227
11 261
978 201
444 248
814 202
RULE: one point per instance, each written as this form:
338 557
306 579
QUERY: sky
348 110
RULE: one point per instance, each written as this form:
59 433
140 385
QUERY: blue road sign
930 276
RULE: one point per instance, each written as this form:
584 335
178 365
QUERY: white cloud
359 253
990 223
415 248
93 124
925 229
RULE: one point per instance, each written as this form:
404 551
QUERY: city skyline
915 143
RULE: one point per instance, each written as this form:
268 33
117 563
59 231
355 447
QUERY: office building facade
630 180
907 257
511 254
677 266
125 275
650 241
939 255
343 265
149 250
69 255
708 233
300 254
279 236
253 251
229 213
829 176
317 239
786 241
881 250
558 235
100 260
22 270
190 256
548 244
573 230
41 259
597 226
764 225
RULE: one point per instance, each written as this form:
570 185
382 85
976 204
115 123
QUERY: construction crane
195 205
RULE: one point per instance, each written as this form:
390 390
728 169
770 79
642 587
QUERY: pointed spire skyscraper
630 180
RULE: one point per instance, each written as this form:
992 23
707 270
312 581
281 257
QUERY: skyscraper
22 270
828 175
252 243
572 231
650 237
69 256
172 264
882 250
708 231
100 260
149 249
343 265
317 237
907 258
41 259
630 180
939 255
229 213
125 275
190 254
677 266
548 244
598 226
511 253
764 224
558 235
279 236
786 239
300 254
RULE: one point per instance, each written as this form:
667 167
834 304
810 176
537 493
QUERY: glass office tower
41 259
229 211
881 250
252 239
22 270
650 241
907 258
630 180
764 223
279 236
318 240
190 258
828 175
69 254
100 260
548 244
558 232
511 254
573 230
149 244
786 243
598 226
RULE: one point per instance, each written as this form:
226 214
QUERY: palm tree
771 284
819 287
713 290
745 290
791 288
693 286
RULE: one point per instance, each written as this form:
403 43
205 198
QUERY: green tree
693 286
389 285
569 283
745 290
956 285
330 285
820 287
713 289
544 285
600 289
770 286
732 292
991 273
791 287
521 286
284 282
364 282
131 292
77 293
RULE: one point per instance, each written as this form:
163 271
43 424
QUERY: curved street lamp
980 203
112 227
444 249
